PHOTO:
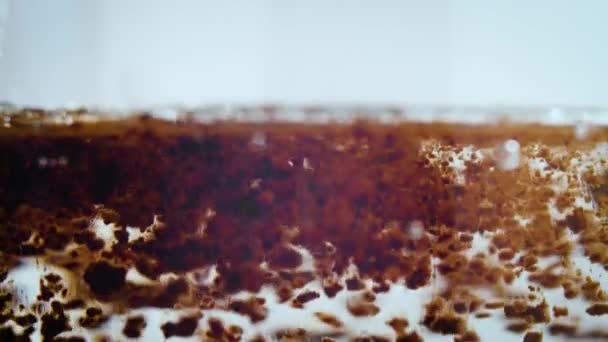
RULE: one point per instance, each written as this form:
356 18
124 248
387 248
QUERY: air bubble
258 140
416 230
63 161
507 155
43 161
581 130
254 184
307 165
512 146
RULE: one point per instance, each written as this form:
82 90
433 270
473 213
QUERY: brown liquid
238 195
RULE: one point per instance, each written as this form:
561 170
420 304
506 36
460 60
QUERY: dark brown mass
104 279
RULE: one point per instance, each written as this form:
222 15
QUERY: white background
120 53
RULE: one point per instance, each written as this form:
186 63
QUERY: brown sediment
560 311
494 305
469 336
332 288
134 326
213 195
399 325
54 322
359 307
597 309
253 308
329 319
93 318
533 336
216 329
410 337
482 315
563 329
535 313
518 327
439 318
184 327
104 279
304 298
